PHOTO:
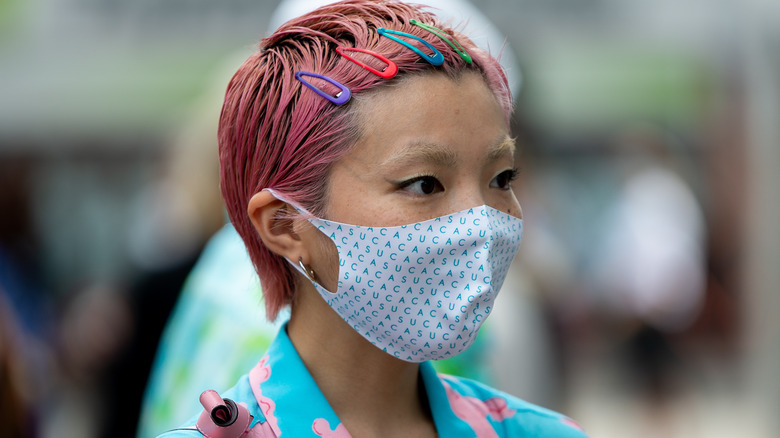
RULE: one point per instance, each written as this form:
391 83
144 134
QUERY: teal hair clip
436 58
439 33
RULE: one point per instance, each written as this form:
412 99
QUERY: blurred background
647 286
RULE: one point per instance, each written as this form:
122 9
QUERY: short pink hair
276 133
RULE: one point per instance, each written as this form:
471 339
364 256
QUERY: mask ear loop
307 271
294 205
340 98
439 33
436 58
387 73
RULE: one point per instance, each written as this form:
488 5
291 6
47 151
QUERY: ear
268 215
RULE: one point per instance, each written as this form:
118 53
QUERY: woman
366 163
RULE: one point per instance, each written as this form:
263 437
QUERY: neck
371 391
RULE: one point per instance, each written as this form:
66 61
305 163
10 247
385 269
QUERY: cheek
350 196
324 258
519 210
371 209
512 206
388 213
327 260
516 211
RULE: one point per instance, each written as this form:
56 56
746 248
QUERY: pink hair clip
387 72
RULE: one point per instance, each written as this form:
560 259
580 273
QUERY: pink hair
276 133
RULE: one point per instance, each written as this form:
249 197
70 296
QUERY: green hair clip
439 33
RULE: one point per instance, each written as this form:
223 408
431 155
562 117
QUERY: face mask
421 291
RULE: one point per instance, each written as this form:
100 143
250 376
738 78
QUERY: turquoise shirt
284 400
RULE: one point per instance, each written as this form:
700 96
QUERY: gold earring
308 272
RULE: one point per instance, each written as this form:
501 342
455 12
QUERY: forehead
432 114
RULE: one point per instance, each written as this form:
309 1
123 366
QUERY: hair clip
387 72
436 58
439 33
340 98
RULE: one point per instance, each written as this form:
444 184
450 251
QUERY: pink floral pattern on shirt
321 427
475 412
257 376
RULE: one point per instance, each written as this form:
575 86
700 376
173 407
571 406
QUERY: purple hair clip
340 98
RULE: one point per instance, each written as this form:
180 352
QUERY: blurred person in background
210 322
25 309
94 325
19 404
648 279
652 264
176 213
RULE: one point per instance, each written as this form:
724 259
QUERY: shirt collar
447 423
287 394
293 404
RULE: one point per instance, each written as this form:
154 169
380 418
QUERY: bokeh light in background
620 99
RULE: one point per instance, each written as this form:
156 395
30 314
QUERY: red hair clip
387 72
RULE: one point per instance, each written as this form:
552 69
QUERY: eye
422 185
504 179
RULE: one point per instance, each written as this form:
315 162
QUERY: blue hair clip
436 58
340 98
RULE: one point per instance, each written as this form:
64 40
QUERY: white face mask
421 291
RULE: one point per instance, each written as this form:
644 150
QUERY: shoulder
512 417
241 393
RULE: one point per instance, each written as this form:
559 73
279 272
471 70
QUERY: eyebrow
421 151
501 148
434 153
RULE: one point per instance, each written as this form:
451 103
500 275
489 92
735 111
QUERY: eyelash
511 175
407 183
